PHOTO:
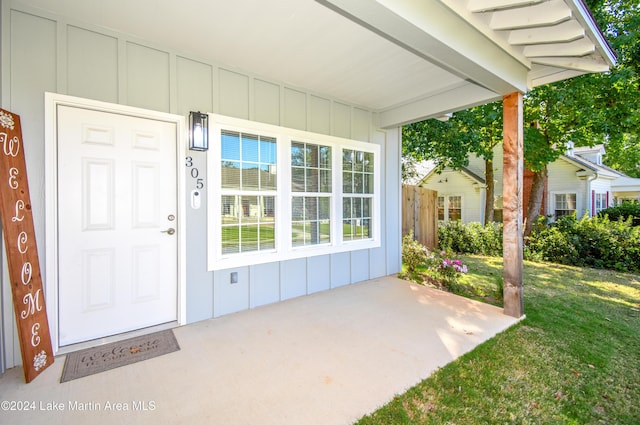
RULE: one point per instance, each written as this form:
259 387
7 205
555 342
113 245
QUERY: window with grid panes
311 194
455 208
441 208
565 204
601 202
357 194
248 180
277 193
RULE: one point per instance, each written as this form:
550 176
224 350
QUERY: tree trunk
490 191
535 199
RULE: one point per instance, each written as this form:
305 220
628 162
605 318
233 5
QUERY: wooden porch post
512 188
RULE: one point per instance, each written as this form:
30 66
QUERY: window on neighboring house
326 198
441 208
311 200
565 204
449 208
455 208
600 200
248 180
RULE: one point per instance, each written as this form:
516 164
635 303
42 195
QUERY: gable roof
582 163
464 170
402 59
585 150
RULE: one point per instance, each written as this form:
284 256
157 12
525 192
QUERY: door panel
117 197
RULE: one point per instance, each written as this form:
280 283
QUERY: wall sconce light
198 131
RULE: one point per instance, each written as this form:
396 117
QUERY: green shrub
623 212
592 242
414 255
471 238
550 244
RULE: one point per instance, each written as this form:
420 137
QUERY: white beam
584 64
548 13
455 99
573 48
564 32
485 5
552 77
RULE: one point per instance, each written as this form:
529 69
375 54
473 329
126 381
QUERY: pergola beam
565 32
542 15
512 188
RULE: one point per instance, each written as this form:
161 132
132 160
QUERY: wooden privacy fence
420 214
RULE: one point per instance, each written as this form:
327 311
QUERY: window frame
284 194
554 206
600 202
261 221
446 207
307 194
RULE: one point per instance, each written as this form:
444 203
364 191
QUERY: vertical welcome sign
22 253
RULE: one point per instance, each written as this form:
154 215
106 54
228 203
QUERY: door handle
170 231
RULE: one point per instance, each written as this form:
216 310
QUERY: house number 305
195 173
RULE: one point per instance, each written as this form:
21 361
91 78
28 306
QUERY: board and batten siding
47 53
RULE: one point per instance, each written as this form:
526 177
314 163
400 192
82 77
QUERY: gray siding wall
50 53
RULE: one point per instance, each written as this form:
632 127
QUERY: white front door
117 207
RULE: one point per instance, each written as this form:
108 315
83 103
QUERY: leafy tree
449 143
555 115
585 110
589 109
620 103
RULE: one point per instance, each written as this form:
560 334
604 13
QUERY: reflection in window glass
357 171
356 218
310 224
247 223
310 168
248 161
323 204
248 164
357 181
311 182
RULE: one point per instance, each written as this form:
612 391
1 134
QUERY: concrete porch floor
327 358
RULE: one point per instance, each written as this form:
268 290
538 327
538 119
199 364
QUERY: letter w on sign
22 253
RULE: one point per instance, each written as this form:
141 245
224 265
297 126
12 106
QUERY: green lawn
575 359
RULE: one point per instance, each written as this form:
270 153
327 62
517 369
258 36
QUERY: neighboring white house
300 190
577 182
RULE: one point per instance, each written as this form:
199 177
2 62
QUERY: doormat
110 356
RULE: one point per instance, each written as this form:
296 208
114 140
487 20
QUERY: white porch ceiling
408 60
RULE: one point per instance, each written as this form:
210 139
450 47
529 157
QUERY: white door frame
52 100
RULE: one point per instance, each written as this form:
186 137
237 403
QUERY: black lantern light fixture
198 131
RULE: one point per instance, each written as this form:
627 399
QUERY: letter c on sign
22 242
